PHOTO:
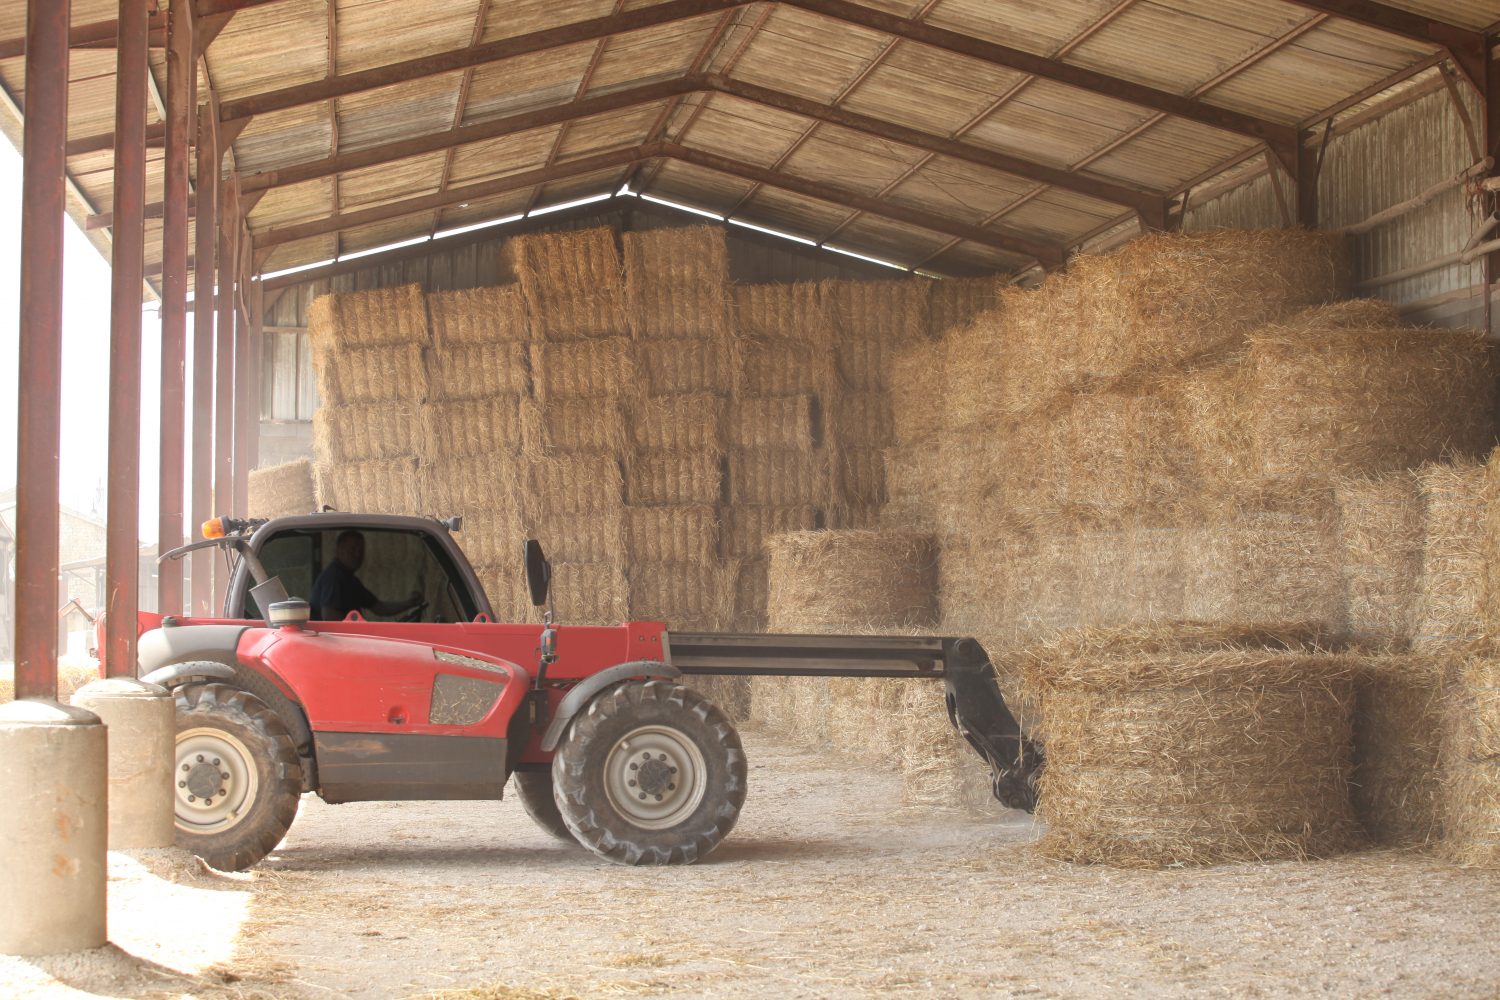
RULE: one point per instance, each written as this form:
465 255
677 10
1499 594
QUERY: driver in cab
337 591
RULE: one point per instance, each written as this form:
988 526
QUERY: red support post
224 375
244 412
122 550
180 98
39 396
203 355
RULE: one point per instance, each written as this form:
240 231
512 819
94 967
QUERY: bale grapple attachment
975 705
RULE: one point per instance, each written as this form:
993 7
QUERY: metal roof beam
1002 240
96 35
593 29
1465 45
1282 139
1010 241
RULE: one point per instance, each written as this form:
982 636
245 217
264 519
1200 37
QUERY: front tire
650 773
236 774
535 791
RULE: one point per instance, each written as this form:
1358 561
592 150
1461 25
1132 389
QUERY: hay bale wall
283 490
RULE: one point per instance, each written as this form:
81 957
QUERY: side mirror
538 572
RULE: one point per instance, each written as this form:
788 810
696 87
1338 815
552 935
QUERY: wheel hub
655 776
205 780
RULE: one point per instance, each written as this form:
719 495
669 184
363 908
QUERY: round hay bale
1192 744
1471 762
863 580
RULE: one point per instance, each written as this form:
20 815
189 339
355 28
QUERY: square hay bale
1212 405
379 317
862 420
1128 453
860 479
962 380
494 537
782 366
1026 350
938 768
568 425
730 695
1471 761
673 477
921 398
1344 388
861 580
865 515
282 490
752 594
677 282
367 430
505 585
1380 528
478 429
783 311
1177 745
688 533
766 477
590 593
581 482
1164 298
478 371
686 366
594 536
592 369
884 312
788 423
693 595
1453 564
391 373
1490 545
573 284
910 477
1270 556
677 423
746 529
475 316
954 302
461 485
1398 734
378 486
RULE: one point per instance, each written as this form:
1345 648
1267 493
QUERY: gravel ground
825 890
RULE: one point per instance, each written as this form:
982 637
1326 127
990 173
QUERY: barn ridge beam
1466 46
1008 241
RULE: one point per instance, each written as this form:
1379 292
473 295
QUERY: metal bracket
978 711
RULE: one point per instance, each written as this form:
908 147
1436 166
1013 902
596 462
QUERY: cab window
395 565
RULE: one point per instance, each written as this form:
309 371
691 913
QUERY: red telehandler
608 746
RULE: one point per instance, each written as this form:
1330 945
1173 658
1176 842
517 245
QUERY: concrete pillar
142 733
52 828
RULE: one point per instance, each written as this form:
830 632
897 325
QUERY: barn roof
949 135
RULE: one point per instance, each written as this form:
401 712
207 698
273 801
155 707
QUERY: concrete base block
142 731
53 825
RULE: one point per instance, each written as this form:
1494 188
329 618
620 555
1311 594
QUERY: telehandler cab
608 746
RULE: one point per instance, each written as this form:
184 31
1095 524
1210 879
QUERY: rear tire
650 773
236 774
535 791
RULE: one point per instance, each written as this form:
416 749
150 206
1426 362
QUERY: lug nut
216 761
182 784
200 758
224 775
674 770
192 798
185 767
658 798
635 767
671 788
647 755
632 782
662 756
643 795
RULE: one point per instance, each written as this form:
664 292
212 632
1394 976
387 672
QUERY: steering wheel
413 614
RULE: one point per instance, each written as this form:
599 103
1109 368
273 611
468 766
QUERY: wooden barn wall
1252 205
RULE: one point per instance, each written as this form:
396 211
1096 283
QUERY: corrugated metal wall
1249 206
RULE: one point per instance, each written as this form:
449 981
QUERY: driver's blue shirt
337 592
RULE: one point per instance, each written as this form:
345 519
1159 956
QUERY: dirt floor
824 890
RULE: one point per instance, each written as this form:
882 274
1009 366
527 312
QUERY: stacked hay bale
1380 530
677 283
862 581
584 375
1450 589
369 349
1471 761
282 490
780 472
1401 719
1193 745
872 323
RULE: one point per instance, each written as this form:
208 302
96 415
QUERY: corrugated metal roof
1274 60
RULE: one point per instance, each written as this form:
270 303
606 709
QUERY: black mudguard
584 691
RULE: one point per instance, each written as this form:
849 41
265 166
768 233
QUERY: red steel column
206 207
224 375
122 559
39 395
181 95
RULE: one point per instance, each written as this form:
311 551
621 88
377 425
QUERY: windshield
384 574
